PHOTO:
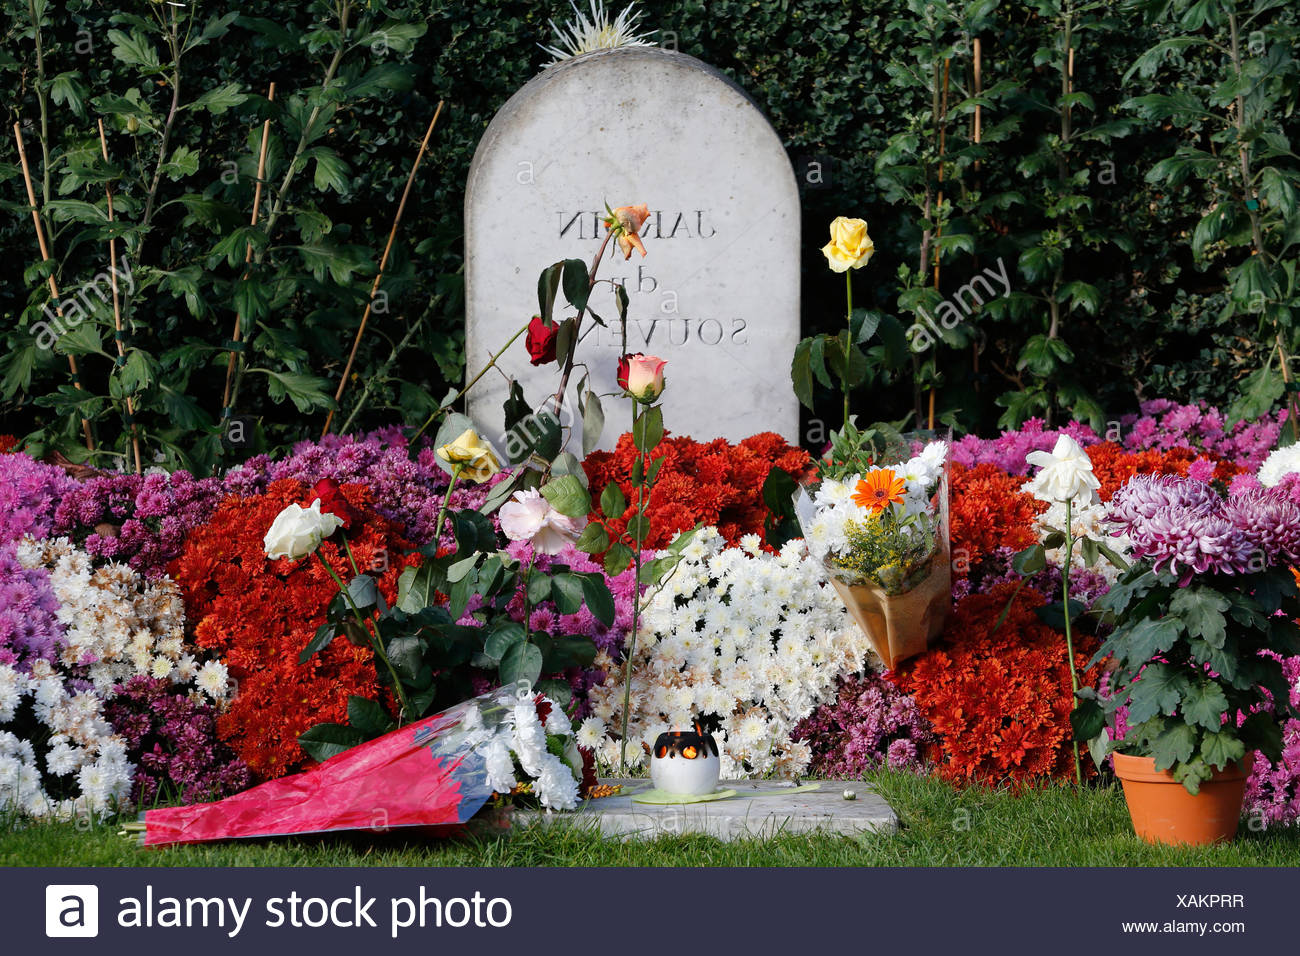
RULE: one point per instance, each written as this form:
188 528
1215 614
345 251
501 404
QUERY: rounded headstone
717 294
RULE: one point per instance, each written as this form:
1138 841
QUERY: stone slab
717 294
757 811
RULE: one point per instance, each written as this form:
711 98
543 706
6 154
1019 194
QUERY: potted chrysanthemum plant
1202 623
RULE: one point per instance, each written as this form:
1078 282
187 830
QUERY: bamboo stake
979 88
45 257
117 303
938 232
943 129
977 50
237 335
383 261
1069 84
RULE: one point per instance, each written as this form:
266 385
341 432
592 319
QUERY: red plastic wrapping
425 774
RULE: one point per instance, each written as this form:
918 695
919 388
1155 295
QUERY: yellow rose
477 460
850 246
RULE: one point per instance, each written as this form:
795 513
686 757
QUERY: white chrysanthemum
117 623
12 685
1278 465
62 760
187 668
585 33
590 732
833 493
214 680
934 454
1086 521
529 738
557 722
762 666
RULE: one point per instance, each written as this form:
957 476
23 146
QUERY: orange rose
626 222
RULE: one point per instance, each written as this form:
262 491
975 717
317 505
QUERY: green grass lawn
940 827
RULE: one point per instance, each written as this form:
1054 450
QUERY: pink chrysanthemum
1271 519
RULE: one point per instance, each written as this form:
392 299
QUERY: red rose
541 341
333 502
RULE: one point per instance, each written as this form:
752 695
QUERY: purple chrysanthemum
1271 519
1187 542
29 492
1142 498
1184 526
871 724
140 520
29 623
171 737
406 489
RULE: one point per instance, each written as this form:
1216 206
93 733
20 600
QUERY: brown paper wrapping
902 625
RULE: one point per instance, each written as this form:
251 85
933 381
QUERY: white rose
297 532
1066 474
529 517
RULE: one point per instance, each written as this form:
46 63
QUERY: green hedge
825 71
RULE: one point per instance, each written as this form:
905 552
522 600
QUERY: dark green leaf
522 662
367 716
567 496
329 740
598 598
566 592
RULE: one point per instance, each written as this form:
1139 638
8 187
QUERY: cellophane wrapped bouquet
877 519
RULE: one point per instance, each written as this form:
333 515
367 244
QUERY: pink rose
529 517
641 376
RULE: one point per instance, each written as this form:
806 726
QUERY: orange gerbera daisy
879 489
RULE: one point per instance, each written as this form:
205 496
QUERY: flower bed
150 650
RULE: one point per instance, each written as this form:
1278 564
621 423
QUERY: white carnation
555 786
500 765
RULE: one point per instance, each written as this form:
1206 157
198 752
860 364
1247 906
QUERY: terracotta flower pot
1164 812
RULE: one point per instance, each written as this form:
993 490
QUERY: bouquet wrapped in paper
882 534
435 773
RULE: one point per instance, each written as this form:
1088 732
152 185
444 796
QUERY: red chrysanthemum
999 697
259 614
698 483
988 511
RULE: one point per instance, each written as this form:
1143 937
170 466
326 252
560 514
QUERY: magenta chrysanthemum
29 492
1271 519
1186 542
1142 498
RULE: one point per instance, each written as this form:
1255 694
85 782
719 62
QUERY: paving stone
759 809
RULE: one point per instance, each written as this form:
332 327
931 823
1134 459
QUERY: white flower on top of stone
596 30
